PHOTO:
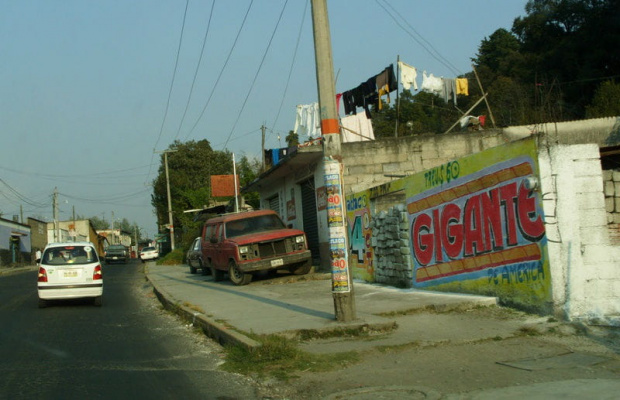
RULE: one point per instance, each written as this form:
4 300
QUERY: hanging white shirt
408 75
307 120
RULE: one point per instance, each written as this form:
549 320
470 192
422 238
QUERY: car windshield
116 247
70 255
148 249
247 226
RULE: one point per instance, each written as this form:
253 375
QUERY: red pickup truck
247 242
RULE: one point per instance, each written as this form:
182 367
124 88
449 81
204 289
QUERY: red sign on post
223 185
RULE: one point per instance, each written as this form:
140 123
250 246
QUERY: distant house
15 244
75 230
38 234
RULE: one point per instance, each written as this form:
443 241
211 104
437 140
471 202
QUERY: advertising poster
341 281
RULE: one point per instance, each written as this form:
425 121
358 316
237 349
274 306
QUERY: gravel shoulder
459 352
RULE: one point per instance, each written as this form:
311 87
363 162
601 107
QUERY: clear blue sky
84 85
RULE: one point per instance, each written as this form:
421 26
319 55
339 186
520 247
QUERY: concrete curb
213 329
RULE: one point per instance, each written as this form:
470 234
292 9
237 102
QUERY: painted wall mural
476 226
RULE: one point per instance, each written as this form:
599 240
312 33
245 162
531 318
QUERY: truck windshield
253 225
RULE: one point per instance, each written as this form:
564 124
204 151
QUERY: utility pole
170 224
262 129
235 183
55 212
113 233
342 285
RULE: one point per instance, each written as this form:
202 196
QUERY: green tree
99 224
292 139
190 166
606 101
570 46
248 170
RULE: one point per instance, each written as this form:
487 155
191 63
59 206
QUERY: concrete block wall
585 264
366 164
611 188
390 243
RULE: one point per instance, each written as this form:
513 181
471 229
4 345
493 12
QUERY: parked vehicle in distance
149 253
68 271
193 257
116 253
248 242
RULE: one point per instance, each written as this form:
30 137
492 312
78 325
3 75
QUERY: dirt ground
454 354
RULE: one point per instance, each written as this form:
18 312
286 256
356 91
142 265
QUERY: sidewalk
288 305
469 355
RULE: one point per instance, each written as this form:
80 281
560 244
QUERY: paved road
129 348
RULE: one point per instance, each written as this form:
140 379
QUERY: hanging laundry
383 91
448 90
307 120
387 78
408 75
356 128
431 83
386 83
369 89
462 86
348 101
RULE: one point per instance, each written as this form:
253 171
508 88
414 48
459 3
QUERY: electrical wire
20 197
290 71
256 75
217 81
437 57
174 73
191 90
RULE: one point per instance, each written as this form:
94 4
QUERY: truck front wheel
237 276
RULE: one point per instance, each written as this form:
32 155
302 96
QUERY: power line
256 75
20 196
174 73
222 70
437 57
191 90
290 71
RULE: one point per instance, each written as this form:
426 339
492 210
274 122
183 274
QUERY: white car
69 270
149 253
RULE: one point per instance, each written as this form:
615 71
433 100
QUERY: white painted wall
585 267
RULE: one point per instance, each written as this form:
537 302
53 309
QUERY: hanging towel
307 120
408 75
356 128
462 86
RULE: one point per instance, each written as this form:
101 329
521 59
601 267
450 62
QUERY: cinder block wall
584 263
369 164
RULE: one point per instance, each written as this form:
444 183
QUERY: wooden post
485 97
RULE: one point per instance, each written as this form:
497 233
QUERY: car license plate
70 274
277 263
114 258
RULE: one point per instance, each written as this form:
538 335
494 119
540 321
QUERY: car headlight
300 239
244 249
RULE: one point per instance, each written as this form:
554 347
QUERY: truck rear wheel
217 274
